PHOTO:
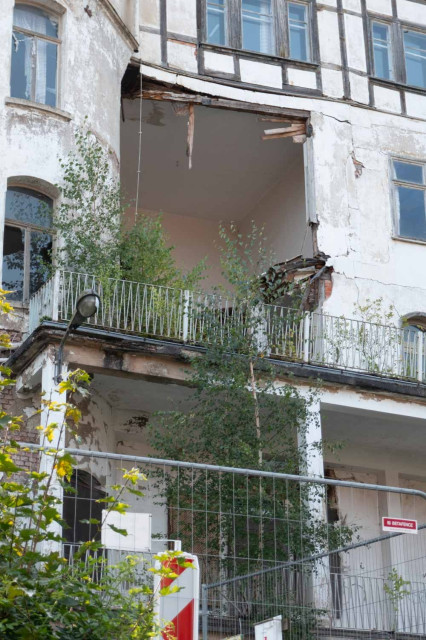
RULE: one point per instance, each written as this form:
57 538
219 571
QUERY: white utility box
269 629
137 525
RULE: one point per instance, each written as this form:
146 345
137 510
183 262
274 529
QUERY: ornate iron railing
196 317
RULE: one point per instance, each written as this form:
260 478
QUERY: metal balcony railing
195 317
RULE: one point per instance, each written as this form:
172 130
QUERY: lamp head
86 306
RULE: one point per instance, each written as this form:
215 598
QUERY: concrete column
310 439
51 394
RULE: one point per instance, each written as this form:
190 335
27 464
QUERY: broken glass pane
28 206
36 20
13 262
40 258
412 213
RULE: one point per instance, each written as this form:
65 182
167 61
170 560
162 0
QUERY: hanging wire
138 178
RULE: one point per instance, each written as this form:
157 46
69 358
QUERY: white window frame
308 7
388 25
280 29
410 29
225 17
38 36
395 199
256 16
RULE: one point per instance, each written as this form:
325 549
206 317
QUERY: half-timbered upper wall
352 50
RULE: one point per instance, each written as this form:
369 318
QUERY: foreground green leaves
42 595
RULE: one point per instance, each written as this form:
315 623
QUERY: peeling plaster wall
96 433
359 124
93 58
356 214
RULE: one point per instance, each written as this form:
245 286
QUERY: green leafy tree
240 417
42 596
88 217
146 256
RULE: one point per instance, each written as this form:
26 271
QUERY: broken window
409 181
27 242
35 45
255 29
382 50
415 57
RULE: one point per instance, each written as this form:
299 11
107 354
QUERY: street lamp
86 306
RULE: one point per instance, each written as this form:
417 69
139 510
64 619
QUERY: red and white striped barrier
179 611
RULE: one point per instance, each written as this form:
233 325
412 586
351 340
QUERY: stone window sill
37 106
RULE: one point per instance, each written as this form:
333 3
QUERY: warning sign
399 524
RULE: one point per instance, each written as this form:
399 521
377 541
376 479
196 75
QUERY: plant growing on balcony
93 236
239 417
42 597
370 341
395 589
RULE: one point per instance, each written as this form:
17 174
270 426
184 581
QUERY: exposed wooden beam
286 132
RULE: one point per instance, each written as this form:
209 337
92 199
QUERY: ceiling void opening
237 175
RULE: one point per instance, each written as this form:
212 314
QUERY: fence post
55 295
204 612
306 336
185 315
420 339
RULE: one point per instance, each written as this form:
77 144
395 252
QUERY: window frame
395 183
309 23
392 40
226 21
27 228
37 36
280 26
415 29
397 49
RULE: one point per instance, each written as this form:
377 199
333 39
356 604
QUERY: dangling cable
139 150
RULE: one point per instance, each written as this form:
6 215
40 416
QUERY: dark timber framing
234 50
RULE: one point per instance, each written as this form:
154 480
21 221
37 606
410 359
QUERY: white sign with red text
399 524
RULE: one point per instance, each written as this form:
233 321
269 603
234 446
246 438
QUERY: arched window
414 345
35 44
81 509
27 243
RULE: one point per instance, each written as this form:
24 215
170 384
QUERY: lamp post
86 306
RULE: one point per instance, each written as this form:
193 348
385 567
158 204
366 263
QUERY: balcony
189 317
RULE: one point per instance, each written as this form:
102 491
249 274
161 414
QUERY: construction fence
310 551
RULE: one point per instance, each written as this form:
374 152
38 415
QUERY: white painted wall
282 212
356 214
93 57
195 239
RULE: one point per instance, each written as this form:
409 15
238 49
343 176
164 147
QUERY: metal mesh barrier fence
309 550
